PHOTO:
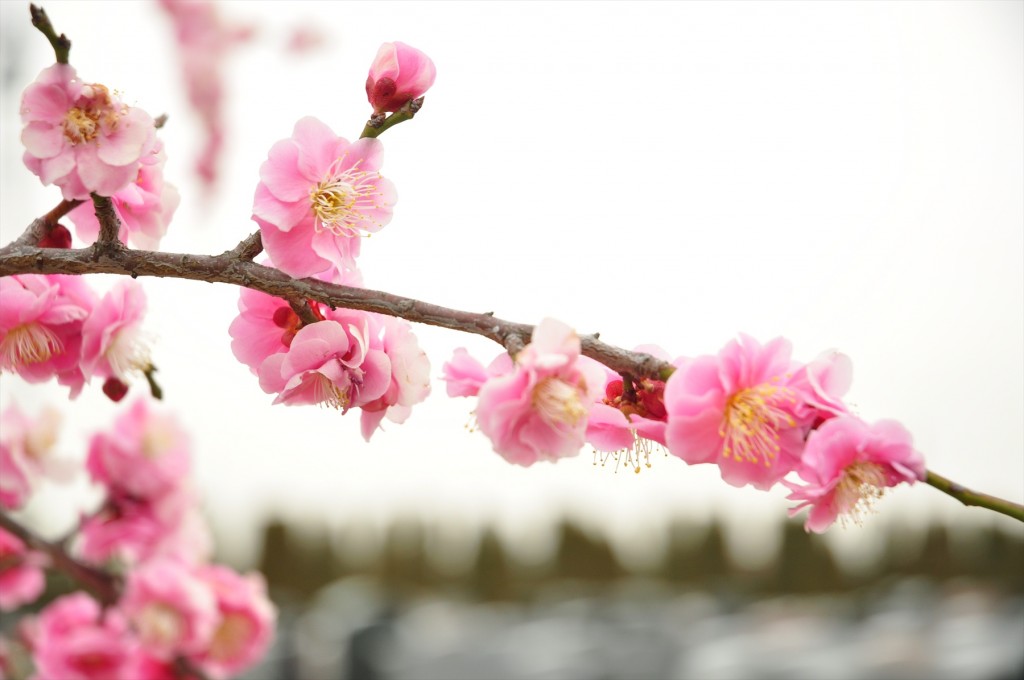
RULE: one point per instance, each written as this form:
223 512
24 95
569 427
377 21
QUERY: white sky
848 175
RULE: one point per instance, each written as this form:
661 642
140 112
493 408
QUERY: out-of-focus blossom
331 363
539 410
172 610
41 319
738 409
304 38
21 573
317 195
410 376
132 530
205 41
245 623
146 454
398 74
26 454
145 207
112 345
81 137
76 640
848 464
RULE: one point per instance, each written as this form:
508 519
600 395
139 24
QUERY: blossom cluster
56 326
174 606
82 138
752 410
318 195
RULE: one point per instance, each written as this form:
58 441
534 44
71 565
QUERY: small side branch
104 586
60 43
975 498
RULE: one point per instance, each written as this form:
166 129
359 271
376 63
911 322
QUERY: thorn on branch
60 43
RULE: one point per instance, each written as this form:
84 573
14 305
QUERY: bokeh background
849 175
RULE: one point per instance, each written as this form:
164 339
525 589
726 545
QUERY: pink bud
398 74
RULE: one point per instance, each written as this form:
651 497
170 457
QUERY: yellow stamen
558 402
343 200
751 423
28 343
328 394
861 484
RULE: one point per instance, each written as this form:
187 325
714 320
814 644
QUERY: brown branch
106 587
41 226
235 268
110 225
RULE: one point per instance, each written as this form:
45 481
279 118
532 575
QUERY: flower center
343 200
28 343
751 423
860 485
230 637
82 123
558 402
127 354
160 625
328 394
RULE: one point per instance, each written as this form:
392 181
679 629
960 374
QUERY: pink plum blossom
398 74
21 574
245 622
26 454
76 640
146 455
145 207
848 464
630 425
133 530
266 325
465 375
739 410
331 363
317 195
82 138
41 319
171 609
539 410
112 345
410 376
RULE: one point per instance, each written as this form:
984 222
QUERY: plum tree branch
105 586
236 267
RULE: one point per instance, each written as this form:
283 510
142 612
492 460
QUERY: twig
110 225
60 43
378 124
981 500
106 587
41 226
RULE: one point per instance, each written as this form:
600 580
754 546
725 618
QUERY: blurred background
849 175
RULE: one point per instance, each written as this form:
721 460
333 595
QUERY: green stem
60 43
375 127
981 500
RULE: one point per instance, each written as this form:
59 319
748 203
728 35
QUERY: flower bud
398 74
